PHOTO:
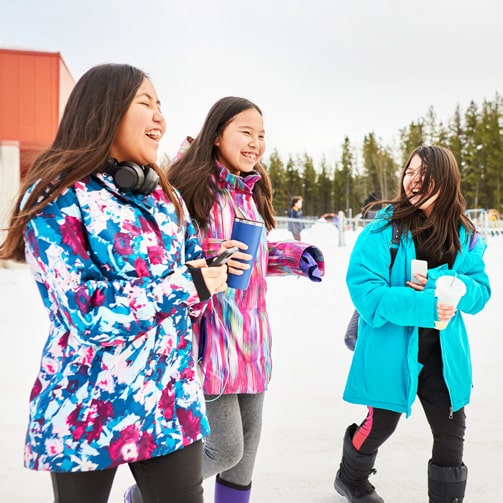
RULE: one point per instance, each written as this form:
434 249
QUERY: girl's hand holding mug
235 265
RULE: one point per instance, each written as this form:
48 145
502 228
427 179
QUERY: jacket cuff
197 278
285 258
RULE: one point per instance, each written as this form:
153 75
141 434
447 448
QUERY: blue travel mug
250 233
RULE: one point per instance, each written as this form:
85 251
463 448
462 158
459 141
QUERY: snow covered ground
305 416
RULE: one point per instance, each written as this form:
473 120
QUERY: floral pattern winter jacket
117 380
233 337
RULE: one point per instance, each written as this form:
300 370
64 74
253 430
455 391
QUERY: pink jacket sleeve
284 258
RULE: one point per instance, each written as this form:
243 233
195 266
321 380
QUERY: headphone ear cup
128 176
151 179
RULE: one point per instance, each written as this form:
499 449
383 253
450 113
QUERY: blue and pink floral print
117 380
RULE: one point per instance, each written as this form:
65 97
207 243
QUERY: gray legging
231 448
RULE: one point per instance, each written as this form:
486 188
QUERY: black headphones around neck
131 177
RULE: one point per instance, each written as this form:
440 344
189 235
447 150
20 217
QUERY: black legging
448 428
174 478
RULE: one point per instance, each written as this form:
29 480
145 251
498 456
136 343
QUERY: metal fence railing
485 222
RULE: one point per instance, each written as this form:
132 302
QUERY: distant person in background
369 207
493 217
120 270
295 212
400 354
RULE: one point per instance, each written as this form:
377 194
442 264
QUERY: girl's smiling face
413 180
141 128
242 142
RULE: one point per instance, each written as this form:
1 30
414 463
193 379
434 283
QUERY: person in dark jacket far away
295 224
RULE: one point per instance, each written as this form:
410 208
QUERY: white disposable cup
448 290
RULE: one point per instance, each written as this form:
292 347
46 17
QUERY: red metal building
34 88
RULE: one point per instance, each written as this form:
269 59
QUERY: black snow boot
352 478
446 484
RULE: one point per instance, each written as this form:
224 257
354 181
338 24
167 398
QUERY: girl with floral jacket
120 270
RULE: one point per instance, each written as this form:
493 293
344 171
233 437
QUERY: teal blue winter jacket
385 368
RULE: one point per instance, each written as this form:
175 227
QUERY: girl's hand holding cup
235 264
448 290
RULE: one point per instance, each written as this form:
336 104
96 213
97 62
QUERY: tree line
475 136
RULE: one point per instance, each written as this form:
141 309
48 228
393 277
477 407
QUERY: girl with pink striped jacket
220 178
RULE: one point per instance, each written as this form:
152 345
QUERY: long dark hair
192 173
81 147
439 231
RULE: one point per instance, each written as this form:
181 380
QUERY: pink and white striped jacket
233 337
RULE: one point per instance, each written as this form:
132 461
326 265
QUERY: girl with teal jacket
399 353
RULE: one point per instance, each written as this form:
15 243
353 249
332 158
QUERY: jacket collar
106 180
226 180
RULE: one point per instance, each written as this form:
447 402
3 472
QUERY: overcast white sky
320 69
